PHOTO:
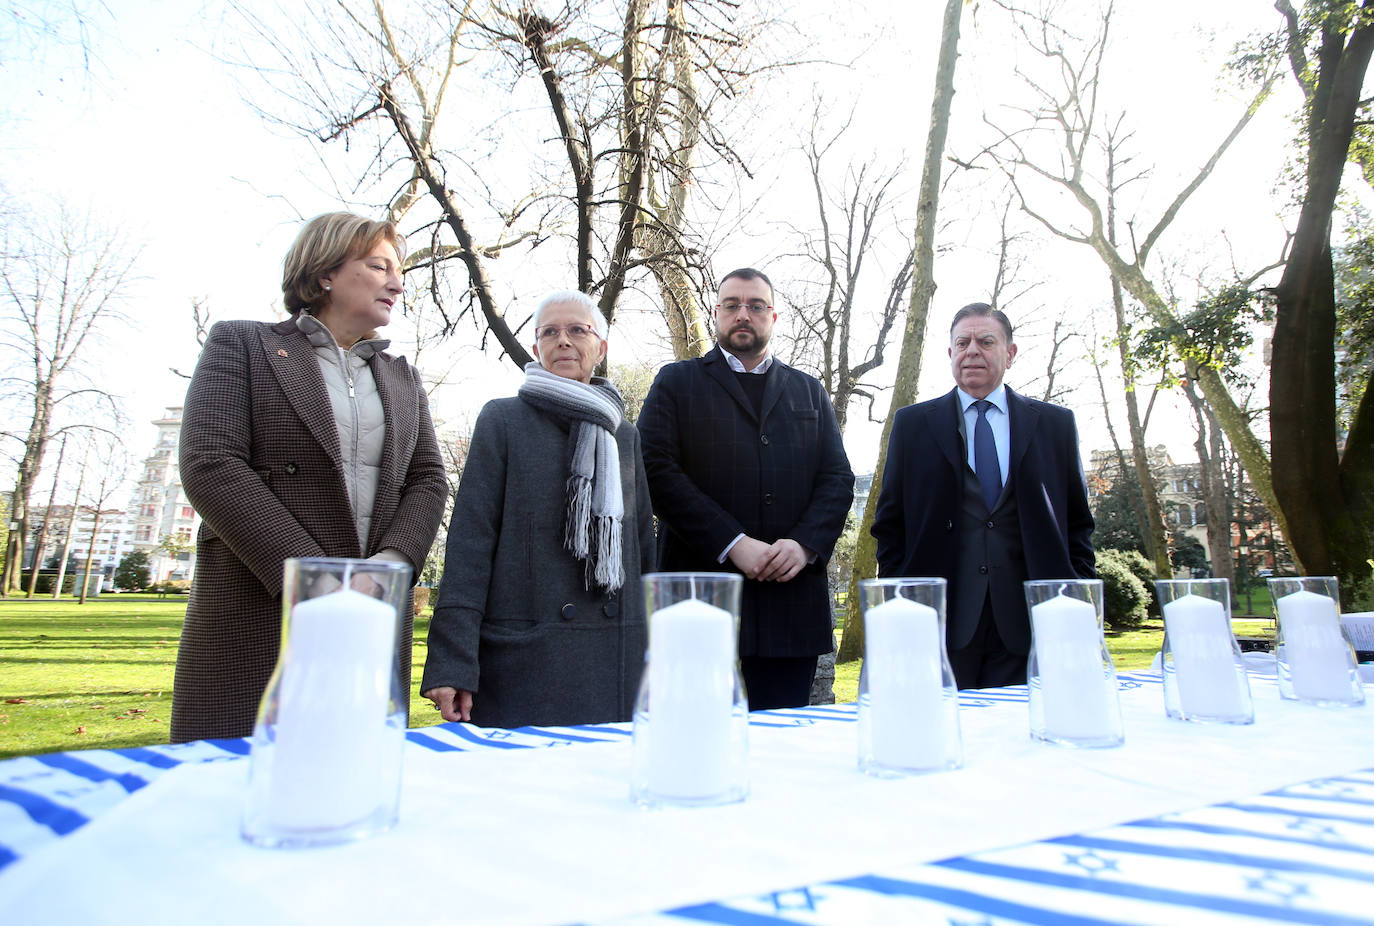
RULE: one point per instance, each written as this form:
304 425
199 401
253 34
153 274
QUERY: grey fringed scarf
595 503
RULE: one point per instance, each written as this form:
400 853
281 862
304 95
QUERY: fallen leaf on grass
80 729
16 700
137 710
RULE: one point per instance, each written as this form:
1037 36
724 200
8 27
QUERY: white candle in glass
1073 682
691 698
905 684
328 763
1204 664
1317 655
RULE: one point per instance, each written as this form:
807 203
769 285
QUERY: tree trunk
1310 478
47 520
914 333
1213 477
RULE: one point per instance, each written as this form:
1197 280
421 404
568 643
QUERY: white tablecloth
548 835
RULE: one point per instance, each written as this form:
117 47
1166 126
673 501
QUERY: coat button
949 525
982 569
569 611
989 525
768 498
291 469
764 439
611 608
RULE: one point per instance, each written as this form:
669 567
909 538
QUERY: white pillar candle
1317 655
905 685
1204 664
691 697
1073 684
331 761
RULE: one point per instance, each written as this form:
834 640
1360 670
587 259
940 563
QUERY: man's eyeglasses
575 332
757 307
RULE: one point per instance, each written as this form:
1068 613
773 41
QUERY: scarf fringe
610 567
578 527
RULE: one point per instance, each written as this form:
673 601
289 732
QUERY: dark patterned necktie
985 456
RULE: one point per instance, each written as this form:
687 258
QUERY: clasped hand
779 561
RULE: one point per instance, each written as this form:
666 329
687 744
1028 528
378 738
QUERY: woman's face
361 294
561 351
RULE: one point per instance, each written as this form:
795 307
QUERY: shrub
132 572
1144 570
1125 598
422 593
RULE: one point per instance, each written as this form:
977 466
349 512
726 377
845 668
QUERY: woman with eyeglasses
540 619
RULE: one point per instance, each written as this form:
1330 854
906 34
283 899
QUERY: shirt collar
998 397
738 366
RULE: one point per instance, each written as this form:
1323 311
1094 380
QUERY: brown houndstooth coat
260 462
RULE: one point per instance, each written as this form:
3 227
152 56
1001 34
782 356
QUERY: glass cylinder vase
691 720
328 743
1204 674
1316 660
908 700
1074 699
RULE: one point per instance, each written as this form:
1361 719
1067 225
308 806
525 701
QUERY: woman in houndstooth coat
301 438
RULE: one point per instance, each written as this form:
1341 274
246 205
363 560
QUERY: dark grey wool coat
260 462
515 622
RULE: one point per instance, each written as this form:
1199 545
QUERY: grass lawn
99 675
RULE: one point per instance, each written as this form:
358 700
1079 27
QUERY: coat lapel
948 433
715 366
772 387
1023 417
293 362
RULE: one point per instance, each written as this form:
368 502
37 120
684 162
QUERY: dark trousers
777 682
986 662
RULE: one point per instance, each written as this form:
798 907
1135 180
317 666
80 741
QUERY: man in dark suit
984 488
747 471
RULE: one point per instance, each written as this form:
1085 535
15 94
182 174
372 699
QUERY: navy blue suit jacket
717 469
917 520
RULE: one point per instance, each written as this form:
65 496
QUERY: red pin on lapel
280 352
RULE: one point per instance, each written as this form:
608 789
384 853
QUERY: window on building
1200 513
187 511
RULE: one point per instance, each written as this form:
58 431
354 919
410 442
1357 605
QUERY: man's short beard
759 345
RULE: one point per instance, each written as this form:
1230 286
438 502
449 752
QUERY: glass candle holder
1316 661
330 733
1073 691
1204 675
908 700
691 720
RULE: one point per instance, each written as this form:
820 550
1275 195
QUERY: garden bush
1125 598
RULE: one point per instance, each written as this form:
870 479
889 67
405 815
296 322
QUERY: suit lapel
1023 418
948 432
715 366
773 387
293 362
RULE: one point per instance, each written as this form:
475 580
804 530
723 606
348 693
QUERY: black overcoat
717 469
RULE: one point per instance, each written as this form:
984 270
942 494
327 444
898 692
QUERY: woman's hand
453 703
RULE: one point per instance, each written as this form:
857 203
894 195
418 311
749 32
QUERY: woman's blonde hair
323 245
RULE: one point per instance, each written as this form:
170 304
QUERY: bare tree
1066 118
914 334
838 341
627 105
113 461
60 287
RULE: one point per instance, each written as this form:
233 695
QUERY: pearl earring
326 287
